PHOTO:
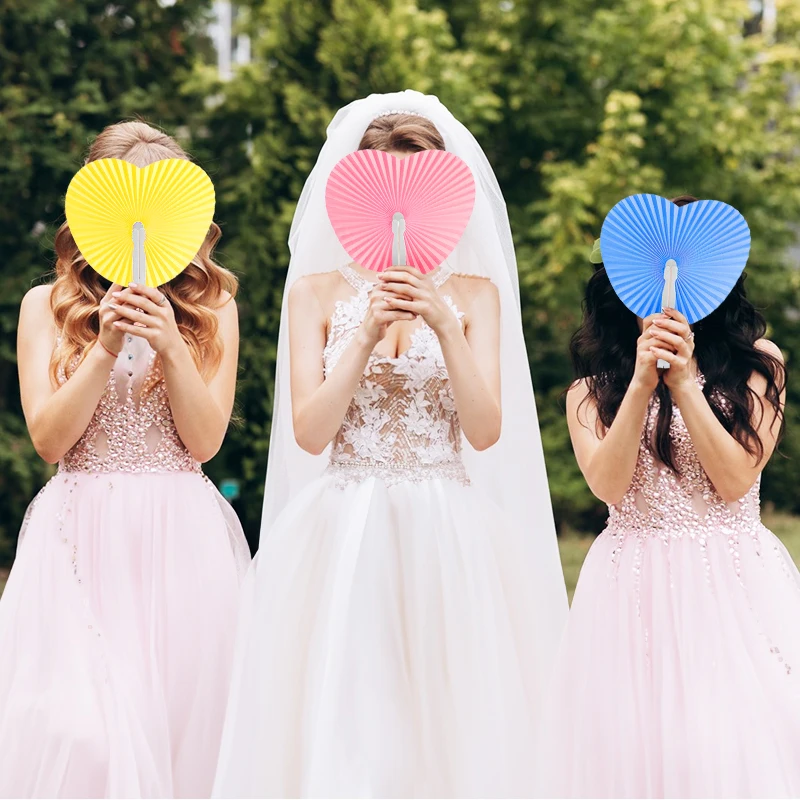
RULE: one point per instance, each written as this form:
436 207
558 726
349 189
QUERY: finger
135 315
402 289
395 316
136 301
649 357
107 315
149 292
673 313
673 325
678 342
134 330
407 305
667 355
646 334
648 320
407 268
400 275
115 287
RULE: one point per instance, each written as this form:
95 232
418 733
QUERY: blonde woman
116 623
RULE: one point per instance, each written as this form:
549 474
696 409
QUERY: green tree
689 104
577 103
68 68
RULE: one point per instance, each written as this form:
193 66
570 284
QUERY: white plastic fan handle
139 261
668 296
399 240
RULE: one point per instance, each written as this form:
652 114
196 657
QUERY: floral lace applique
402 423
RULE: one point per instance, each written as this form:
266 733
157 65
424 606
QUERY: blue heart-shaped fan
703 247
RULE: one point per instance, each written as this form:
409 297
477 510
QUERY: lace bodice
661 503
402 423
131 430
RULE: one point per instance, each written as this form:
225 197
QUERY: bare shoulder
475 291
581 407
577 392
474 285
317 290
770 348
227 310
35 307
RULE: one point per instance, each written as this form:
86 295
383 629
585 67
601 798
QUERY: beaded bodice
132 429
402 423
661 503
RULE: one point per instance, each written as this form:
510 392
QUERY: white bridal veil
512 472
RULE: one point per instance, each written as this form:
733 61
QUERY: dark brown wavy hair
603 353
195 294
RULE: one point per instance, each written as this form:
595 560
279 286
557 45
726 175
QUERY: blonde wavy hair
195 294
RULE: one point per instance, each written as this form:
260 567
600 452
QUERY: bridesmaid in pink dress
679 675
117 622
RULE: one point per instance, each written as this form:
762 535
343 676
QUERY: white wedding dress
387 647
401 620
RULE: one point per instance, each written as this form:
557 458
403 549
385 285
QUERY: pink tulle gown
118 620
680 672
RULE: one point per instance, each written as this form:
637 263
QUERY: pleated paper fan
648 243
433 190
173 199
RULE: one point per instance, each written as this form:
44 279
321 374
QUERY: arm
473 366
728 465
57 416
472 356
607 463
201 410
608 459
319 404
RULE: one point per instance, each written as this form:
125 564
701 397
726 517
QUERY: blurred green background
577 103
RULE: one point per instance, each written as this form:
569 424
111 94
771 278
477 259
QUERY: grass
575 546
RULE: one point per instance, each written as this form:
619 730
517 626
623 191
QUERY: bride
407 599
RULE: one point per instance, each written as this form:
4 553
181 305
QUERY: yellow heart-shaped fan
173 199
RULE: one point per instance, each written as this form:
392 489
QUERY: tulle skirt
679 675
117 628
388 647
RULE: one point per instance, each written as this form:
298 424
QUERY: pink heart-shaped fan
434 191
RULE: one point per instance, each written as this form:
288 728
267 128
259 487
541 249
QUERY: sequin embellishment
132 429
660 503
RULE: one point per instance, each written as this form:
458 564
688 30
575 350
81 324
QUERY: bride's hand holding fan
408 289
380 315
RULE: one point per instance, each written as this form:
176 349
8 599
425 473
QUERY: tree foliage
68 68
576 102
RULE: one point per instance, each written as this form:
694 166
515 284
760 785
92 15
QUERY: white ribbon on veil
513 471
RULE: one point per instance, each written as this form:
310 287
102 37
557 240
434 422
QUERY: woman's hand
145 312
380 315
406 288
645 374
110 337
672 339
